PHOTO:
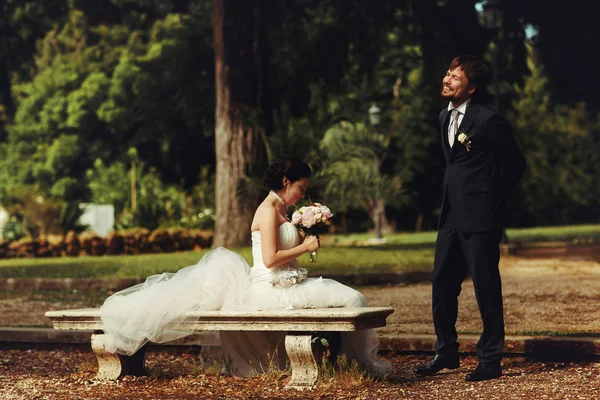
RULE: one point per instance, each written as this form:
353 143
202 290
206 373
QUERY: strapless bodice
287 238
283 275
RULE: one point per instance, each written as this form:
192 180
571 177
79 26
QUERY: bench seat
299 326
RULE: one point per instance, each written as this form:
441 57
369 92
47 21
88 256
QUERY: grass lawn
422 239
331 261
341 254
550 233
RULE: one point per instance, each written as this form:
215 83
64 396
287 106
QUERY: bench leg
302 361
113 366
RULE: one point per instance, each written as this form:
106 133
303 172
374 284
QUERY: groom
483 164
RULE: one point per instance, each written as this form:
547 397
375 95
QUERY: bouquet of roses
312 220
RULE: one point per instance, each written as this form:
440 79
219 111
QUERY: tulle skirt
153 311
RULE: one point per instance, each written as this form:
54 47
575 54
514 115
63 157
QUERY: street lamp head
493 14
374 115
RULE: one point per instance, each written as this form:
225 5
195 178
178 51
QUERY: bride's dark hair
292 169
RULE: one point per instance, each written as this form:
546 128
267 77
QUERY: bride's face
294 191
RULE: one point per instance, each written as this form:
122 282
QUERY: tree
44 148
237 43
96 91
394 77
350 173
560 144
22 23
160 98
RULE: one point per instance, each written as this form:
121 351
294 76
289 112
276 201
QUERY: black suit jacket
477 182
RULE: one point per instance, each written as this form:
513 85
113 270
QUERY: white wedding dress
222 280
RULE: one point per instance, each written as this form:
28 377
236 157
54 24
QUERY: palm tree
351 173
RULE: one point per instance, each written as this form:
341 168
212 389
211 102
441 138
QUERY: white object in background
100 218
3 219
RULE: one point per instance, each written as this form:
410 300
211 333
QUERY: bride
222 280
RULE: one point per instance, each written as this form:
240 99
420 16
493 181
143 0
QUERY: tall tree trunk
419 223
237 137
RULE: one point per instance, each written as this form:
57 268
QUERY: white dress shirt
456 119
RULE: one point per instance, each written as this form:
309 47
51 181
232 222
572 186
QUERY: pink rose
318 214
296 218
308 218
326 212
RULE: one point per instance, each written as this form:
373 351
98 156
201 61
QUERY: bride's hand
312 243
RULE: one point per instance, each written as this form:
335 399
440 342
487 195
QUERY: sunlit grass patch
343 260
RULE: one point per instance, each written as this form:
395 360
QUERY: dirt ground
68 373
540 296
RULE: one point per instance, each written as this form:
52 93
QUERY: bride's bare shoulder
264 214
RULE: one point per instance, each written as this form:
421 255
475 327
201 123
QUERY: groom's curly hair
476 71
293 169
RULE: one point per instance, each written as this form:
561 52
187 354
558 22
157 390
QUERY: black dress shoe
484 372
436 364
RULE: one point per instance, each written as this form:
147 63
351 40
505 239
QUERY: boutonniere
464 138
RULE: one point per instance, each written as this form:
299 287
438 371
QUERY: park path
540 296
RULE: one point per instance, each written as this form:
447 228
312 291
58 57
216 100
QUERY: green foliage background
97 95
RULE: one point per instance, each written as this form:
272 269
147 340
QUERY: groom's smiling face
456 87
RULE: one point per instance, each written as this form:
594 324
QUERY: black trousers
457 253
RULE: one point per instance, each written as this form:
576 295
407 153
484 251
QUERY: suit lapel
465 124
444 121
469 118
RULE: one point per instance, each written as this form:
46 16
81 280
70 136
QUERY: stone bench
299 326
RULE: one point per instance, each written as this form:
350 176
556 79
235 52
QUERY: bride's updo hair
292 169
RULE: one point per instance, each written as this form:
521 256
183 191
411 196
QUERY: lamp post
375 120
374 115
493 20
133 156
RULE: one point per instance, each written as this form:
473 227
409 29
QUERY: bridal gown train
222 280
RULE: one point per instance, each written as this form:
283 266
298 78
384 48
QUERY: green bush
14 228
